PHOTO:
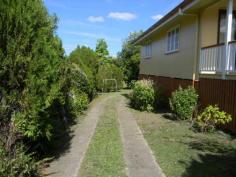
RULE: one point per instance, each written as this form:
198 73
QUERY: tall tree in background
102 50
87 61
130 57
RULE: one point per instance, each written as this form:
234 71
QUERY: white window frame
147 51
173 40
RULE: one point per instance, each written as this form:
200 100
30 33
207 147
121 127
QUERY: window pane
234 28
150 50
147 51
177 39
169 42
222 33
173 40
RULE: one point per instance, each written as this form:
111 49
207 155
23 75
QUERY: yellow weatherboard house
195 44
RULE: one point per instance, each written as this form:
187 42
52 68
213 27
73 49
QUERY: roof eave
182 7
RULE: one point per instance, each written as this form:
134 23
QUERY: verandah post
229 25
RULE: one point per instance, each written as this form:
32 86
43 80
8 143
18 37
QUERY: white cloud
157 17
94 19
126 16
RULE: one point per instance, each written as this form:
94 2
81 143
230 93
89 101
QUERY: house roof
165 18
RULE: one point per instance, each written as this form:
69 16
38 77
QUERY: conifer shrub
34 87
210 118
143 95
183 102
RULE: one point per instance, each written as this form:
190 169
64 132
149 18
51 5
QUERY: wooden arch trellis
105 81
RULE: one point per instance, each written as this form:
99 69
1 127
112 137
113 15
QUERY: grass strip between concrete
105 154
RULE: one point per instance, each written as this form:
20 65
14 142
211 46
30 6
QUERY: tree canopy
102 50
87 61
130 57
31 56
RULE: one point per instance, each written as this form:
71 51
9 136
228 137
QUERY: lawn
105 154
183 153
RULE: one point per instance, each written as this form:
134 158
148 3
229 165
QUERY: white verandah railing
214 59
231 64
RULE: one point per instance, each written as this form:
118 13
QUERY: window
147 51
222 26
173 40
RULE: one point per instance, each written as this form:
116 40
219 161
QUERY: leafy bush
30 59
86 60
183 102
78 101
130 58
18 164
211 117
109 71
143 94
34 84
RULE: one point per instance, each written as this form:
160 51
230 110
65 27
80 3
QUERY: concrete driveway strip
138 156
68 164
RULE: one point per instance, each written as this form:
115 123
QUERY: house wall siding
211 91
178 64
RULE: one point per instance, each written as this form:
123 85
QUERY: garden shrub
87 61
18 164
212 117
131 84
30 59
183 102
143 95
34 86
78 101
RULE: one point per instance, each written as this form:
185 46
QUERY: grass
183 153
104 157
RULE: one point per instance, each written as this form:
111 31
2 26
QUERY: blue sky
82 22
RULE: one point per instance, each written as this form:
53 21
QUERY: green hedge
183 102
143 95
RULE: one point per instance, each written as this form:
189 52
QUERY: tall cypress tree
30 60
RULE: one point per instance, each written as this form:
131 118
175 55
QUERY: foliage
130 57
143 95
211 117
183 102
101 50
77 102
86 60
31 57
109 71
18 164
36 79
173 142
